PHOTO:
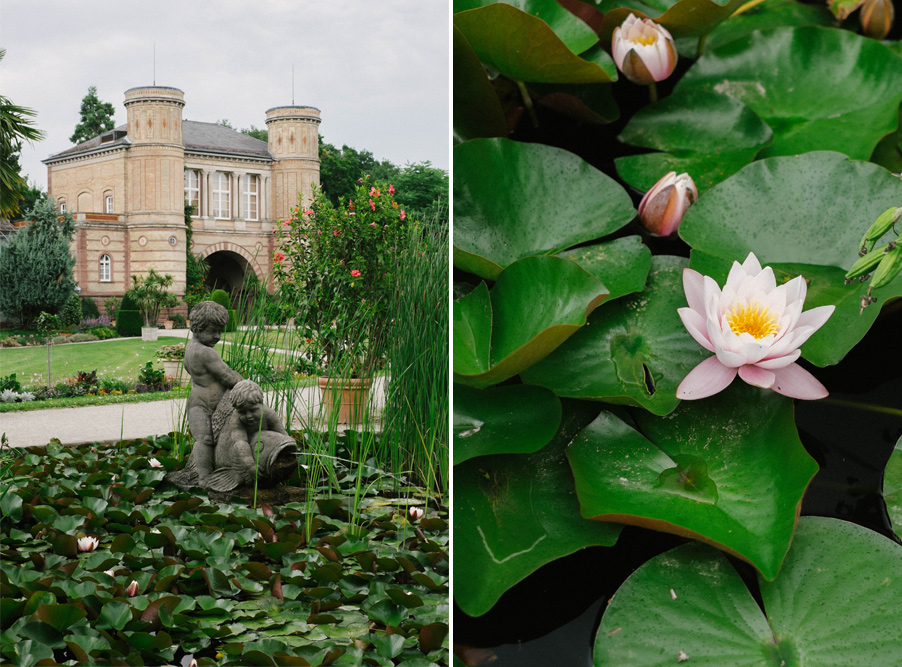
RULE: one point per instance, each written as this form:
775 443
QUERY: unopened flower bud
132 589
877 18
643 50
662 208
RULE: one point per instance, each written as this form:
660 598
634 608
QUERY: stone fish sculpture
238 439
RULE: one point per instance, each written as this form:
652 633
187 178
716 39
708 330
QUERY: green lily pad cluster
300 583
568 347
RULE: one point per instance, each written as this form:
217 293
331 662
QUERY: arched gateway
128 188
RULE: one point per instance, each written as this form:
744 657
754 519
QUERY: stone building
127 190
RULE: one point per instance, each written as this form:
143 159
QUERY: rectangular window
109 203
62 206
222 202
251 183
192 190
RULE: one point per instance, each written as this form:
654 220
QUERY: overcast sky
378 71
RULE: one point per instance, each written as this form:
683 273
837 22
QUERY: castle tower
156 181
294 143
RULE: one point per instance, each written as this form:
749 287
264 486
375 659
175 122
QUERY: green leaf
513 200
682 18
622 264
892 488
513 513
11 506
729 221
43 633
537 303
705 134
477 111
834 603
512 419
634 351
387 612
818 88
59 616
524 47
472 325
114 615
729 470
770 14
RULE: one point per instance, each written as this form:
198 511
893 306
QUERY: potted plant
335 264
173 358
151 296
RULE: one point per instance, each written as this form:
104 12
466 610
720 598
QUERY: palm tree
15 126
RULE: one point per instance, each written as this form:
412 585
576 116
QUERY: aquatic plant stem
527 102
867 407
652 92
700 51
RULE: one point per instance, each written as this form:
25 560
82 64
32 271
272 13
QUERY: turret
294 143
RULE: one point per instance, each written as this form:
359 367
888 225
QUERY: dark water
550 618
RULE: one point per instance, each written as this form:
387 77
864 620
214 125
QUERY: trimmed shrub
89 309
127 303
222 298
82 338
102 333
129 323
71 314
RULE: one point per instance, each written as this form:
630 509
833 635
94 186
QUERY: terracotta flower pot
349 396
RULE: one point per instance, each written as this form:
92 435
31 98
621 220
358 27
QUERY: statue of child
251 426
210 378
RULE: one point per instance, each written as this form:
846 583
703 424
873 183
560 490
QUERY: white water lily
416 513
155 464
755 329
643 50
87 543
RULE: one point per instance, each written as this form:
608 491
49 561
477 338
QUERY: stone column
206 197
240 215
264 198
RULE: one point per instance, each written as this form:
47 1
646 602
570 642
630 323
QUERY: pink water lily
132 588
662 208
643 50
755 329
416 513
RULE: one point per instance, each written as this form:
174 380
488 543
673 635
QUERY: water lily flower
132 589
87 543
111 573
193 663
416 513
755 329
155 464
662 208
643 50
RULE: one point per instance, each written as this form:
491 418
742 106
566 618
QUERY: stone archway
229 265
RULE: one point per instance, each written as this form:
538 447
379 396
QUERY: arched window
62 204
108 201
105 272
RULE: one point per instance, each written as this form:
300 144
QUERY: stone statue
237 438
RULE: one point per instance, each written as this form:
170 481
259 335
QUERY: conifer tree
96 117
36 265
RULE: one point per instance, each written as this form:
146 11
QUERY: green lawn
119 358
280 340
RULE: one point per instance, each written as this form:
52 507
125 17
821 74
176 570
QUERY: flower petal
694 286
796 382
816 317
706 379
695 325
757 377
779 362
728 358
751 265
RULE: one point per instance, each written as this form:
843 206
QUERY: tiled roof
196 136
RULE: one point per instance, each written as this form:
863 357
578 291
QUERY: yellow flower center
645 39
752 319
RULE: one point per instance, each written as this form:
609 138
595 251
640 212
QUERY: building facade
127 190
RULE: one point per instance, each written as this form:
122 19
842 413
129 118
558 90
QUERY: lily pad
536 304
622 265
682 18
513 419
818 88
703 133
477 111
635 350
525 47
729 471
729 221
892 488
834 603
513 513
513 200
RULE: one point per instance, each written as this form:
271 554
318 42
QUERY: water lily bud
87 543
663 207
132 589
643 50
877 18
416 513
